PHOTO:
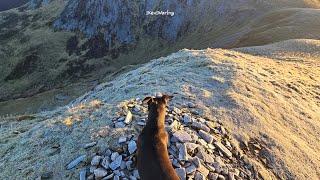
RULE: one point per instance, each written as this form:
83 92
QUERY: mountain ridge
263 94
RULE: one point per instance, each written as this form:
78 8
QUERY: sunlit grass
95 103
82 106
68 121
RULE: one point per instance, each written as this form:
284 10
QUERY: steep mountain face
38 3
52 44
124 21
9 4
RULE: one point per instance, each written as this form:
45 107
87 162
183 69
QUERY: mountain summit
265 96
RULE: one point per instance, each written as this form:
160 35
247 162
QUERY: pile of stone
199 148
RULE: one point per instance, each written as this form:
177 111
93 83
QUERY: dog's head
158 101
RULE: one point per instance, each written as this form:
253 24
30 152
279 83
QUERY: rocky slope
262 103
50 47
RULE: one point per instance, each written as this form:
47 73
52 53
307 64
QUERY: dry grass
95 103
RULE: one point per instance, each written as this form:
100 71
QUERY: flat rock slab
202 154
96 160
207 137
199 176
182 136
203 170
119 124
116 163
83 174
132 147
181 173
198 126
183 152
128 118
224 150
122 140
191 169
73 163
100 172
89 145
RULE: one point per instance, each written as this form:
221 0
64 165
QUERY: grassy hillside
39 62
267 97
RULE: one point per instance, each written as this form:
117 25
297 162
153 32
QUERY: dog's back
152 158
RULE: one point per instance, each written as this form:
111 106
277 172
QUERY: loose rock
191 147
137 109
182 136
110 176
96 160
128 165
116 177
199 176
92 168
121 119
128 118
132 147
75 162
114 156
221 177
119 125
90 177
213 176
122 140
83 174
204 156
191 169
212 125
203 170
198 126
183 152
181 173
187 119
141 123
123 165
89 145
207 137
136 173
105 162
196 161
177 110
100 172
108 152
116 163
223 149
191 105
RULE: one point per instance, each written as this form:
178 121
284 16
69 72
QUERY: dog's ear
146 100
167 97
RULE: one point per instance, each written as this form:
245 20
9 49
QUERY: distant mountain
51 45
9 4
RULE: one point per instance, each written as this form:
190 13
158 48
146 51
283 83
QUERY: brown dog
152 155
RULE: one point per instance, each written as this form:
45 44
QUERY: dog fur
152 155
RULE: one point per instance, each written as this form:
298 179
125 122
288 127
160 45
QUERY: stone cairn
199 148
